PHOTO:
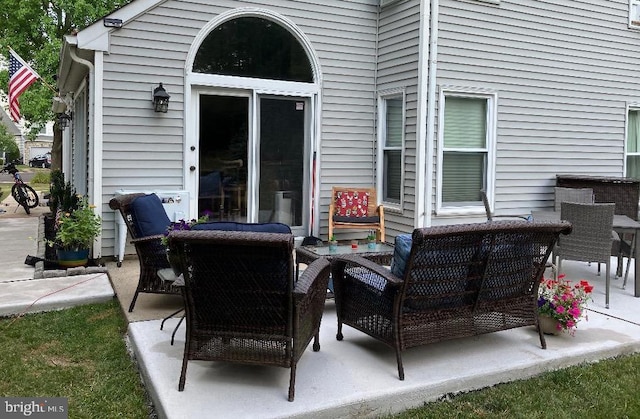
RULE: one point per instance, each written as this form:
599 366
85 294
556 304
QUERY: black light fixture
63 120
111 22
160 99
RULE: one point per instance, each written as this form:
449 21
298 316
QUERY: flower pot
174 262
72 258
371 244
548 325
333 245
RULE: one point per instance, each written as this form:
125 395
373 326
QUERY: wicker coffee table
381 254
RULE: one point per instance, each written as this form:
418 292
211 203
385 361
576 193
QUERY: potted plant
333 243
561 304
75 232
172 257
371 240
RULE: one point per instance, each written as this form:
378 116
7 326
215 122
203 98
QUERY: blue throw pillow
149 216
401 253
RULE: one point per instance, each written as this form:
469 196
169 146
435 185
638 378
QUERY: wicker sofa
457 280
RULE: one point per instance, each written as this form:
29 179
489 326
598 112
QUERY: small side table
168 275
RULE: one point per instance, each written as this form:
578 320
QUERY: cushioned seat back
254 227
357 204
148 216
240 281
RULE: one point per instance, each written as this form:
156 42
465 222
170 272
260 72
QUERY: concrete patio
358 376
353 378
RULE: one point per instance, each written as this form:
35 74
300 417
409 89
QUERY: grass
78 353
608 388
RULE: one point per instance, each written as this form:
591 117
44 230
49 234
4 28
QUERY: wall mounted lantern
63 120
160 99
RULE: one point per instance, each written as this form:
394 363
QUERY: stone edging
40 272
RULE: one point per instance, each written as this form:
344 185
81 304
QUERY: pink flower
559 309
574 312
570 324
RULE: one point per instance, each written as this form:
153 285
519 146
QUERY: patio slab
358 376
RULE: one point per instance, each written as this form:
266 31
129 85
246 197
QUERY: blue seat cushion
401 253
254 227
149 216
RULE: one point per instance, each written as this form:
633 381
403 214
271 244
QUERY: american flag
21 76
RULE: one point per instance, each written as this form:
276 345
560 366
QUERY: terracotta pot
72 258
548 325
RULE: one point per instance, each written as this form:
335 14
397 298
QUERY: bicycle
24 194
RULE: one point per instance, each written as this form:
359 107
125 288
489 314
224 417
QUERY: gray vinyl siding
563 72
398 43
145 150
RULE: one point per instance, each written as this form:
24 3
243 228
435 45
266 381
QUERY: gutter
94 183
431 104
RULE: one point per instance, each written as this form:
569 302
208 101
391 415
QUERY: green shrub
63 195
41 177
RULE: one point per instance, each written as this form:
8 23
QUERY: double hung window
633 144
466 163
390 148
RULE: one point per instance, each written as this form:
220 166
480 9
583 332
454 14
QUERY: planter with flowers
172 257
75 232
561 304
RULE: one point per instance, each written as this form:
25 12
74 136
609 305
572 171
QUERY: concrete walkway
353 378
20 293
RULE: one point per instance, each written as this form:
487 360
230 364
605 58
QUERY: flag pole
19 58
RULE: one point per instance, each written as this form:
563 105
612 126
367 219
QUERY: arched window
253 47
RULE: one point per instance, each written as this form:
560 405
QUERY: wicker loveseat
457 280
243 303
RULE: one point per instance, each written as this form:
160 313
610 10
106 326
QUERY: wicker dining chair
591 238
243 303
579 195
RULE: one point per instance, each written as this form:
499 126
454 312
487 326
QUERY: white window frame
383 148
634 14
635 106
492 105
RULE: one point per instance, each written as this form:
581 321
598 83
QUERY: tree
8 145
35 30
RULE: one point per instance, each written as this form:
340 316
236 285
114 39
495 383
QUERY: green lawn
78 353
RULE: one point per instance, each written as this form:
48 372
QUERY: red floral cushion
352 203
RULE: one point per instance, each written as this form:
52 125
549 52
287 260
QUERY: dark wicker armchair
146 223
243 304
459 280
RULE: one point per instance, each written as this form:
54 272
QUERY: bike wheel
25 196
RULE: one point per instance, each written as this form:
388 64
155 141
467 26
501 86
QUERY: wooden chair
243 303
356 207
147 223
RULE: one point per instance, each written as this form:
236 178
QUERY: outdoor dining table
621 224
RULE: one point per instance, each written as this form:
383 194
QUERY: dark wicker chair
459 280
149 248
243 304
592 236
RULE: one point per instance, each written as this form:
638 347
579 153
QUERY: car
42 160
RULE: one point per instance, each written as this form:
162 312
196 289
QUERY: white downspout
94 182
432 67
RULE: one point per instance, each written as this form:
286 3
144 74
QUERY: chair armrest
315 276
380 211
340 264
147 239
